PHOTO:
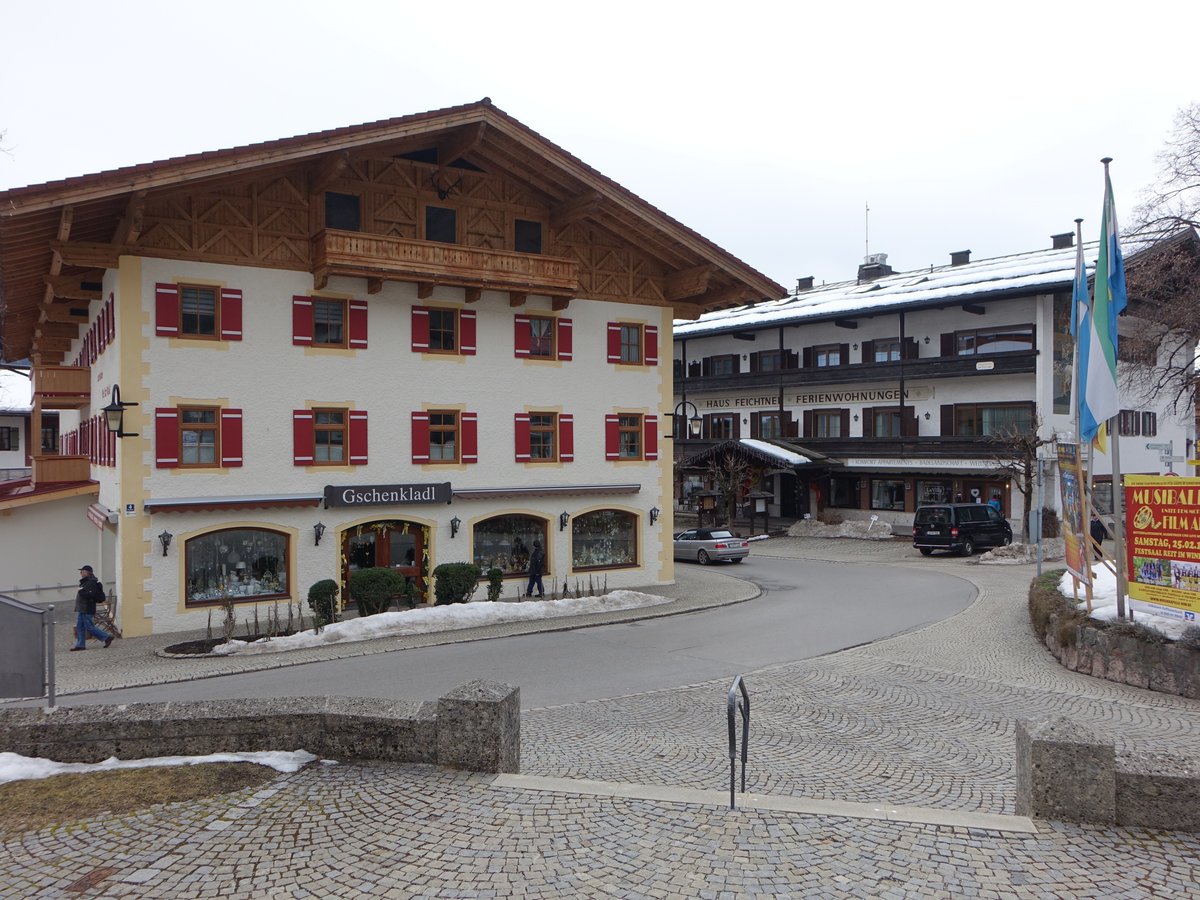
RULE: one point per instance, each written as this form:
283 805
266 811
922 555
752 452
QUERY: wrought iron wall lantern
318 533
455 524
114 417
165 540
563 519
694 421
655 512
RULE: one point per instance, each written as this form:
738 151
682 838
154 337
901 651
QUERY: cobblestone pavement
923 719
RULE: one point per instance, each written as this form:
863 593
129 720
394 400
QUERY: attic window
342 211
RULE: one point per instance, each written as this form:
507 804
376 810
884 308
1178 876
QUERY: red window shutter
358 437
521 431
614 342
651 337
420 436
302 324
521 337
466 328
612 437
166 438
302 437
420 337
231 437
565 340
566 438
650 432
231 314
166 310
470 437
358 325
112 319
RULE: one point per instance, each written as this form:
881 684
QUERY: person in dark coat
90 593
1098 533
537 568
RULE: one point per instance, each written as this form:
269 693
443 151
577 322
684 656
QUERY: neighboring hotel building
873 396
430 339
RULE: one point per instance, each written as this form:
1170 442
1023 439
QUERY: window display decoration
243 563
505 542
604 539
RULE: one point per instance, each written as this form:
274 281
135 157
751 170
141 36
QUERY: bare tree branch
1014 452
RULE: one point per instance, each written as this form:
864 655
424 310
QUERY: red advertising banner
1162 528
1071 487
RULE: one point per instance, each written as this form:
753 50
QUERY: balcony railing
62 387
51 469
400 259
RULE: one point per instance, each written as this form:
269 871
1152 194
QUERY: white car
706 545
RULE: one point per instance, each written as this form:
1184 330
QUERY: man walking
90 593
537 566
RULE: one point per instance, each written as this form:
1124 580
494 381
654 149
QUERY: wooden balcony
62 387
51 469
376 256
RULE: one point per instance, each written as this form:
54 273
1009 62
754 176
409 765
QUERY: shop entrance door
391 544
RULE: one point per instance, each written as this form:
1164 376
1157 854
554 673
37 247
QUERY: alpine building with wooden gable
428 339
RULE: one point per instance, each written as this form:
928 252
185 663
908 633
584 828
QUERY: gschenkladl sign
1162 528
1072 521
386 494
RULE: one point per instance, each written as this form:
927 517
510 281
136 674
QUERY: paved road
807 608
925 718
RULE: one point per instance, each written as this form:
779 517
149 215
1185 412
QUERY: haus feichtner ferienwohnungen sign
386 494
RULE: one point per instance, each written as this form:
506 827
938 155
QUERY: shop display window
505 542
605 539
242 563
933 492
887 494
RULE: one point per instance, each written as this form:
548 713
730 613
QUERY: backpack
97 593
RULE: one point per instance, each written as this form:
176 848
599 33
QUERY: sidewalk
922 720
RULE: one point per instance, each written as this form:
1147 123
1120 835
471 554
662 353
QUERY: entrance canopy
777 454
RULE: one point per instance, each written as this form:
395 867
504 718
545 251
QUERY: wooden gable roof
100 215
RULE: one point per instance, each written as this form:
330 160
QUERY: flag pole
1114 433
1078 321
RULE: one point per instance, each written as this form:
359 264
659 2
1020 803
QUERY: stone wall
479 730
1066 772
1168 668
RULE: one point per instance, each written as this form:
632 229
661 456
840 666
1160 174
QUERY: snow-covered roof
780 453
1020 273
16 393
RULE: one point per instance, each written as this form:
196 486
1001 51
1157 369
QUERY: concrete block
479 728
1158 790
1065 772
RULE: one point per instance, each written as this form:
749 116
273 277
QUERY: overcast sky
767 127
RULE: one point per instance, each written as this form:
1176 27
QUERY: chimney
874 265
804 284
1062 241
960 257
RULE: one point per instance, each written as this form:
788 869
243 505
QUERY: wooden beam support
974 308
517 298
71 287
459 143
424 290
688 282
374 285
577 208
87 255
473 294
68 330
733 295
558 304
845 323
328 168
129 229
60 312
687 311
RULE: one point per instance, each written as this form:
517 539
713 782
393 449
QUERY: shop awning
568 490
254 501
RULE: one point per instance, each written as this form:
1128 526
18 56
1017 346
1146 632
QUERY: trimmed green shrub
455 582
374 589
495 584
322 600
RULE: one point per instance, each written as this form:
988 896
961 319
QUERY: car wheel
968 547
738 560
1007 540
702 558
926 551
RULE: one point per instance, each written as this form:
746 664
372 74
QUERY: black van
959 527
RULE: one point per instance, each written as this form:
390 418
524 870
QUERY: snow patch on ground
14 767
863 531
1104 603
426 619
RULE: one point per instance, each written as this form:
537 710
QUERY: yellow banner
1162 543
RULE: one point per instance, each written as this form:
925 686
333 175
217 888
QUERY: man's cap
87 569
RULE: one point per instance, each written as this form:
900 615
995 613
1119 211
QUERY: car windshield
932 515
